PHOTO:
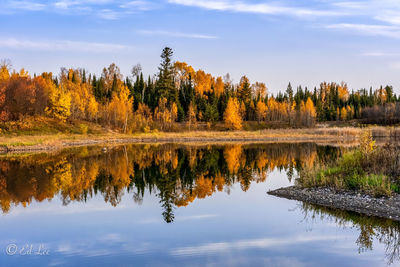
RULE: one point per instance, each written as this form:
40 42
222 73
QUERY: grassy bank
369 169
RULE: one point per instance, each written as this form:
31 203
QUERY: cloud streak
380 54
259 8
247 244
369 29
26 5
61 45
176 34
105 9
385 24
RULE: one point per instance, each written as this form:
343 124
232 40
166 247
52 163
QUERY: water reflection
176 174
384 231
189 186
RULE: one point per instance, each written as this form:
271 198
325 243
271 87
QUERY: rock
345 200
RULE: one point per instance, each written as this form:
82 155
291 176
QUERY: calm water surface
174 205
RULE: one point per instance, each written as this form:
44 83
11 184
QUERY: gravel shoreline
383 207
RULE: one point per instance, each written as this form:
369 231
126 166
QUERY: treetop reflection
177 174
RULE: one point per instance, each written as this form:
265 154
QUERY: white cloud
26 5
260 8
369 29
177 34
61 45
138 5
351 5
109 14
105 9
246 244
389 17
380 54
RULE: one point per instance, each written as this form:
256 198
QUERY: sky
304 42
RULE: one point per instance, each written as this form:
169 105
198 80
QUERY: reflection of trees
177 174
385 231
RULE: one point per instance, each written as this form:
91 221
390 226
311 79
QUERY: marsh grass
370 169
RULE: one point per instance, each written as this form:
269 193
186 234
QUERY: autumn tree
163 114
309 113
343 114
260 90
191 115
59 102
111 79
232 117
261 111
203 82
23 96
119 110
219 87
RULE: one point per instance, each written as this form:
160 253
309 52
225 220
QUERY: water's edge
327 140
384 207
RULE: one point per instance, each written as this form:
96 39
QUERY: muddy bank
384 207
61 144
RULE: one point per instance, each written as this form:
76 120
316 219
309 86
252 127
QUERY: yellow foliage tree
218 87
92 108
259 89
4 73
343 114
232 116
202 82
162 115
174 112
309 113
59 105
143 117
120 108
182 72
242 110
261 111
191 115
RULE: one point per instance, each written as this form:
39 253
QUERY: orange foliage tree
232 116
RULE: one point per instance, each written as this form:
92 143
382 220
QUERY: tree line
179 93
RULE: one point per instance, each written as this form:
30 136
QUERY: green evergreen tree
165 84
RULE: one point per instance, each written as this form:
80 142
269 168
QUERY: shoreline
18 144
382 207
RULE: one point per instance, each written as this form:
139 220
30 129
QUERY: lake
179 205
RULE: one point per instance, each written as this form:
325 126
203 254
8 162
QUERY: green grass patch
375 172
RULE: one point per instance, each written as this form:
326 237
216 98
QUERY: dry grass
45 132
371 169
267 135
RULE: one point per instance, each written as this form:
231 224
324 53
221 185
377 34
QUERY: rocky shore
383 207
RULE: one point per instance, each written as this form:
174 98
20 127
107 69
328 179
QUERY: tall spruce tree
165 84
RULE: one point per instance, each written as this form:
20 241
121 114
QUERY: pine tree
244 90
165 84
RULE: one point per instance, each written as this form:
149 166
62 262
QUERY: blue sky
305 42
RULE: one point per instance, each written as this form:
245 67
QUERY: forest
180 97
